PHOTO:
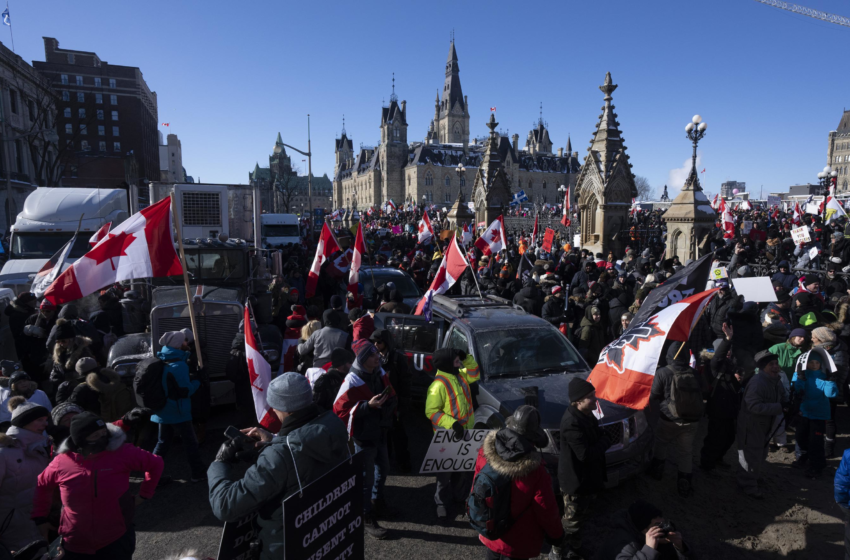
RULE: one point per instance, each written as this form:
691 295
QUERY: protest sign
748 225
548 237
813 253
756 289
718 273
800 235
448 453
325 519
236 538
577 240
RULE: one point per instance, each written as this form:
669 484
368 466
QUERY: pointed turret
452 92
491 191
453 115
569 145
278 145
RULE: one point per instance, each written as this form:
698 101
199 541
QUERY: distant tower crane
817 14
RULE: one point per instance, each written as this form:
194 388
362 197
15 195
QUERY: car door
418 339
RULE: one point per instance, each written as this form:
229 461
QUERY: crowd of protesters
756 372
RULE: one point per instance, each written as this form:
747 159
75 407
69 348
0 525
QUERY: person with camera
581 465
448 405
641 533
309 444
761 403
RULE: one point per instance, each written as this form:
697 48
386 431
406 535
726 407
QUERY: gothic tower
453 125
393 149
343 150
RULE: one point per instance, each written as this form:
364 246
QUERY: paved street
799 518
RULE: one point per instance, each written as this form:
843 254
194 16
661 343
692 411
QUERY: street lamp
696 132
309 155
828 177
460 170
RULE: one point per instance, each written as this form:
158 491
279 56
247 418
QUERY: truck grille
615 432
215 332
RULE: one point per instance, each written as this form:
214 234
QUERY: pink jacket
97 506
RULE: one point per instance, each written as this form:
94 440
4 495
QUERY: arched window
395 132
457 132
448 181
448 196
429 179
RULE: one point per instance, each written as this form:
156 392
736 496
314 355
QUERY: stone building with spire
606 185
425 171
281 177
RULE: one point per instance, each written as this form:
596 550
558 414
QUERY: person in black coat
395 364
530 298
719 307
636 535
553 309
748 336
785 277
722 407
581 466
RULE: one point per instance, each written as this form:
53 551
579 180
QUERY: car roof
384 271
485 314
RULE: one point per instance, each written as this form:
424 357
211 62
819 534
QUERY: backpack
147 385
489 503
686 396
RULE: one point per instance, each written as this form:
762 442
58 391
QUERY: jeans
810 443
121 549
376 465
187 433
681 438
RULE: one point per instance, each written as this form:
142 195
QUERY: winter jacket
530 299
317 441
842 482
449 397
719 307
533 507
116 398
725 399
787 354
178 408
662 383
761 403
396 366
816 390
65 359
365 424
747 333
38 397
592 337
97 505
627 542
322 342
787 280
581 467
23 456
841 357
553 310
363 327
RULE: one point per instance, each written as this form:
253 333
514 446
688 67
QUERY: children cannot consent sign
448 453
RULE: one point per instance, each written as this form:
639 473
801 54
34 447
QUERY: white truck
279 230
49 219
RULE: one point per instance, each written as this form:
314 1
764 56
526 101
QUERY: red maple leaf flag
357 253
426 232
451 268
626 368
100 234
493 239
260 373
327 246
140 247
565 218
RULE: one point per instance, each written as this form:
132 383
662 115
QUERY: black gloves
461 354
457 428
137 415
227 452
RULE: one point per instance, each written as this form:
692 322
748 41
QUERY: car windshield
514 352
280 230
403 283
36 245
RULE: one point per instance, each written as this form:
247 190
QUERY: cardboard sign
448 453
718 273
813 253
236 538
756 289
548 237
748 225
325 520
800 235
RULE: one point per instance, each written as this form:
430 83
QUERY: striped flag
452 266
52 268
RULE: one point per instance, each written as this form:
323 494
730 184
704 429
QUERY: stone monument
491 191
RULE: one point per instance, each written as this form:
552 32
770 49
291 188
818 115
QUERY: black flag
688 281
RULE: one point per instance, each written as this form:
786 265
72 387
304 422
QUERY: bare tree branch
644 190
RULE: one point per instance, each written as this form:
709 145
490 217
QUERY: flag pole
11 35
186 281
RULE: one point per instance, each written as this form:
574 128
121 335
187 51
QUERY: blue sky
230 75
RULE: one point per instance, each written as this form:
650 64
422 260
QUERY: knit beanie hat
61 409
173 339
798 332
24 412
824 334
298 318
86 365
579 388
83 425
363 349
64 330
190 336
642 513
289 392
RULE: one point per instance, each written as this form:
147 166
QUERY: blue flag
519 197
6 18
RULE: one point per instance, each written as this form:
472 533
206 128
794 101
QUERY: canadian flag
141 247
260 373
466 238
493 239
728 221
357 253
451 268
714 202
327 246
797 216
746 205
100 234
565 219
426 232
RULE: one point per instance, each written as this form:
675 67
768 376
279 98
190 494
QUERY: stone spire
569 146
607 141
491 191
278 145
452 92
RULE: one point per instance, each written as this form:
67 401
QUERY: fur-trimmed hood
76 352
515 469
117 438
105 381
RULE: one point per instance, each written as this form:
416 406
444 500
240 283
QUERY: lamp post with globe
827 177
696 131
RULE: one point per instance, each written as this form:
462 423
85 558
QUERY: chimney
560 152
515 142
404 108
